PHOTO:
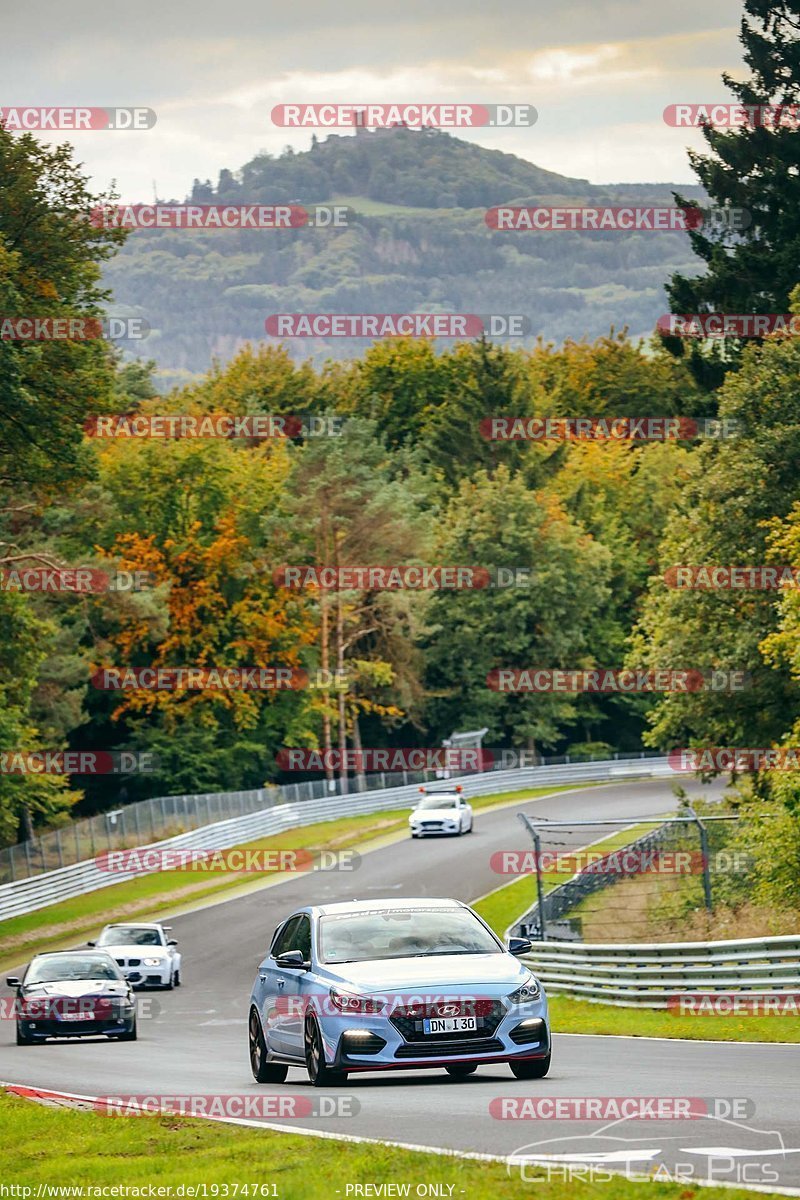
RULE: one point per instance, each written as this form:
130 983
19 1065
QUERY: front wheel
177 980
531 1068
461 1070
130 1036
263 1070
23 1038
319 1072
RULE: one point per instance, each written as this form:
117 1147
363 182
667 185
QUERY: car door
274 1001
296 988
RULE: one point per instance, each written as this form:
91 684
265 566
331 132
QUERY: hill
416 239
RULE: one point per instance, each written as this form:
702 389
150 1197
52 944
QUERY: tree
755 168
547 620
50 256
736 490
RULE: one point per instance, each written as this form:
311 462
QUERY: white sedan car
143 952
445 811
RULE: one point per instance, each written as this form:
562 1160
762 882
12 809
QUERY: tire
319 1072
167 987
130 1036
531 1068
263 1070
23 1039
177 979
461 1070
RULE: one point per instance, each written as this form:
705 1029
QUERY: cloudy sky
600 73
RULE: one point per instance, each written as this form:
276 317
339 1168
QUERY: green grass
63 1147
581 1016
151 894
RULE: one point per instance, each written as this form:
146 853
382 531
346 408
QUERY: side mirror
12 981
293 959
91 943
519 946
172 942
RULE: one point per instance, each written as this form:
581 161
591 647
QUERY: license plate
449 1024
77 1016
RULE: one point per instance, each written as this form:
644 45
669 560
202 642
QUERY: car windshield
129 936
59 970
403 933
438 802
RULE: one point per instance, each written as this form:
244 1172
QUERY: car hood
78 987
134 951
435 814
446 970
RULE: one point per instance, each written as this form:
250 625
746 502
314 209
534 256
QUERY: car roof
88 953
134 925
383 905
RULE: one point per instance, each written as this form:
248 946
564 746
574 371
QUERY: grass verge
63 1147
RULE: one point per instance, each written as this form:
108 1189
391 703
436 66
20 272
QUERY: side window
286 939
302 939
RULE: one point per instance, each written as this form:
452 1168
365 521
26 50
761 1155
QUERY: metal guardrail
27 895
656 975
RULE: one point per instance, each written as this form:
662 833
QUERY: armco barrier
27 895
650 975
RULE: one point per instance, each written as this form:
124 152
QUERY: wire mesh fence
661 884
161 817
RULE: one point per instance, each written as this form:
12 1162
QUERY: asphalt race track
197 1042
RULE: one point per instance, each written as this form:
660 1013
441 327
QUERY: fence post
704 852
537 849
60 848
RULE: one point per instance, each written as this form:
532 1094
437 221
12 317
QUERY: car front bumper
374 1043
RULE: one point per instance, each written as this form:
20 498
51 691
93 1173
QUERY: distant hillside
417 240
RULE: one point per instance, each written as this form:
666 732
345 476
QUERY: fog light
530 1030
362 1041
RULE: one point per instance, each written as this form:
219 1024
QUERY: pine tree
756 168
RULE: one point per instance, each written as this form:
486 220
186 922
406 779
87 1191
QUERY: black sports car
73 993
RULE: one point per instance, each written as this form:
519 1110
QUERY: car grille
128 962
435 1049
429 825
74 1028
407 1019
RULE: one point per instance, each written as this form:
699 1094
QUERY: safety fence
267 817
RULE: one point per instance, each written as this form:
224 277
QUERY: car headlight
153 962
530 990
350 1003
